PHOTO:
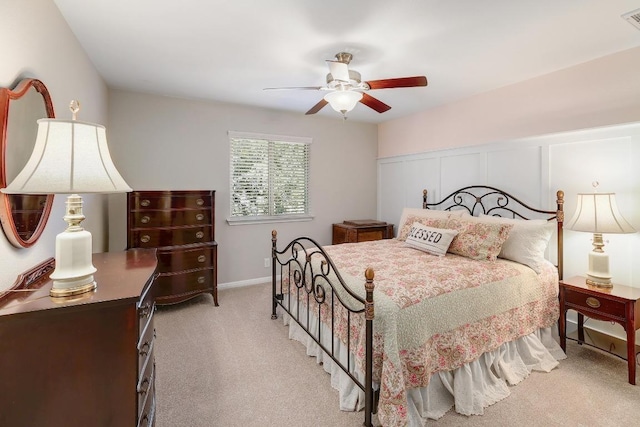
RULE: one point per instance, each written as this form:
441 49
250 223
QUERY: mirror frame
6 216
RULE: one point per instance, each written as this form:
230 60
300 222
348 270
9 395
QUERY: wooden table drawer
190 257
598 307
160 237
171 201
169 218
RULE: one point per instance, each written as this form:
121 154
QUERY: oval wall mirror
23 216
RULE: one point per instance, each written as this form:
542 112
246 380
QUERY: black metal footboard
306 283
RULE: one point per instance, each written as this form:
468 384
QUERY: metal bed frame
314 278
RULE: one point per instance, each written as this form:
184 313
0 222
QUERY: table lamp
70 157
598 213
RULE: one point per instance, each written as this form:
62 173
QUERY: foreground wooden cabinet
181 225
85 360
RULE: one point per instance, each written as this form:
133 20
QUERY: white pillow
527 240
435 241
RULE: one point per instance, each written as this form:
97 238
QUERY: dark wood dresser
181 225
80 361
361 230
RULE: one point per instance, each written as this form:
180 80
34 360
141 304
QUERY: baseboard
249 282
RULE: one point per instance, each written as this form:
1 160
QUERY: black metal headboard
485 200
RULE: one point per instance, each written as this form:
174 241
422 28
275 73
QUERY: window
269 177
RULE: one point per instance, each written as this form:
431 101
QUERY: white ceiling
229 50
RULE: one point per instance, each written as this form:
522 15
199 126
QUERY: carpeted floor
232 366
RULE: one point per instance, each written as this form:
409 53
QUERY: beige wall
36 42
602 92
168 143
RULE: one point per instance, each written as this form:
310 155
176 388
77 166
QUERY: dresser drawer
147 414
145 313
146 343
159 237
189 257
599 305
182 284
174 200
146 386
169 218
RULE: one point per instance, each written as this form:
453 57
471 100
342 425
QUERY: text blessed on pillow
435 241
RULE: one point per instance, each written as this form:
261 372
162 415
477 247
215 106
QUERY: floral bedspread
438 313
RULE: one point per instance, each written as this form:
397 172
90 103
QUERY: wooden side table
361 230
616 304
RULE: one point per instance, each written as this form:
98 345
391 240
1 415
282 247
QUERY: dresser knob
145 348
145 310
202 258
145 219
200 202
145 238
145 202
593 302
200 217
199 235
144 386
201 279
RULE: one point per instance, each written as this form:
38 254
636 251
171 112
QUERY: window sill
268 219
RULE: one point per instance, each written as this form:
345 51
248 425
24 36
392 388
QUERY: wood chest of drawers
364 230
86 360
181 225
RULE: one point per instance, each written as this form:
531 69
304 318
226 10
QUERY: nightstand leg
580 328
562 322
630 327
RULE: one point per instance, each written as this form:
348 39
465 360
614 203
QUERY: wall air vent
633 18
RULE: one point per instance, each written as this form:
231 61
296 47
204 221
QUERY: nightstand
361 230
617 304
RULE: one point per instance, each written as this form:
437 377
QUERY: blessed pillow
527 241
437 221
477 240
435 241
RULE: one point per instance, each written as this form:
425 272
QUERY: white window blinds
269 175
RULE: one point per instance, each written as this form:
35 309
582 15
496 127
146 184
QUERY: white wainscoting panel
532 170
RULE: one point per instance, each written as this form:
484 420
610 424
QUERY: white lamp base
74 269
598 273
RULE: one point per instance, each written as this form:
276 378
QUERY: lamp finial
74 106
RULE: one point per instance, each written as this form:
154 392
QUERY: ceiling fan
346 87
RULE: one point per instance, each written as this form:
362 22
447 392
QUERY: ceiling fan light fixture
343 101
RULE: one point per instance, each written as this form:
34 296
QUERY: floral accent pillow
410 220
478 240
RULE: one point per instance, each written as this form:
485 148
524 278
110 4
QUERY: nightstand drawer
606 308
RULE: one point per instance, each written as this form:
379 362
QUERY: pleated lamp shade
69 157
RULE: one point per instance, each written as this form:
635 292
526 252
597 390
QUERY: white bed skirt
469 389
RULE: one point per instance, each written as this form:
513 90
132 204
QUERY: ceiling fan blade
317 107
295 88
339 70
399 82
374 103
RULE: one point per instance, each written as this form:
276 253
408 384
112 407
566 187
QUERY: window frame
263 219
